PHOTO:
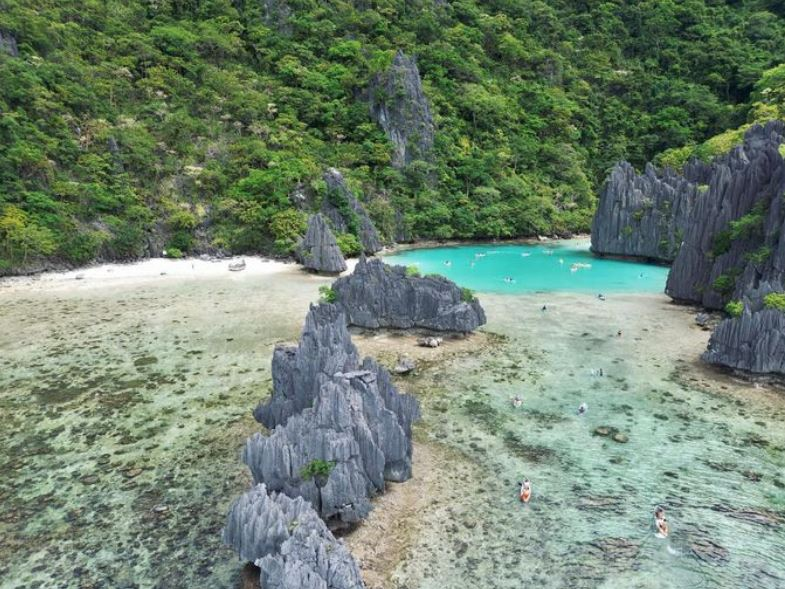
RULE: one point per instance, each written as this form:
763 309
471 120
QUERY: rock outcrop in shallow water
735 245
644 215
734 241
398 104
754 342
318 250
377 295
290 544
328 407
346 213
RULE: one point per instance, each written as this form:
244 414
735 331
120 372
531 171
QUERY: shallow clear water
123 410
519 268
712 454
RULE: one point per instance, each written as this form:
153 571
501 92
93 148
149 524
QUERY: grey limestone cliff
643 215
8 44
753 342
735 245
318 249
328 407
377 295
290 544
398 104
346 213
325 348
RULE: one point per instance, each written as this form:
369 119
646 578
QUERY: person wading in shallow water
526 491
660 522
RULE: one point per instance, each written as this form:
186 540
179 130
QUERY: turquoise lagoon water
563 266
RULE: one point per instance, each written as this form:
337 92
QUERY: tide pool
524 268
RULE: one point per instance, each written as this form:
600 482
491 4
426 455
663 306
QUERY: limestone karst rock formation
377 295
328 407
290 544
398 104
642 215
753 342
346 213
8 44
318 249
733 246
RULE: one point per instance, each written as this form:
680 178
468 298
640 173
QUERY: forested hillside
129 127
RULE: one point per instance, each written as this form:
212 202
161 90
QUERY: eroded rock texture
8 44
754 342
290 544
327 407
733 246
377 295
642 215
346 213
400 107
318 250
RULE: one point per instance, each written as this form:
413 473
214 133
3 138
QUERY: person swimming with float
526 491
517 401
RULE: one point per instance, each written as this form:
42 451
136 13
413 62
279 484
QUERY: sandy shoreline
114 275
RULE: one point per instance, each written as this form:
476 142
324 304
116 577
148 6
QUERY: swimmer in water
583 408
544 308
447 263
517 401
618 333
526 491
601 296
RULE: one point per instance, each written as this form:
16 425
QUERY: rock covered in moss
318 249
735 245
290 544
346 213
398 104
377 295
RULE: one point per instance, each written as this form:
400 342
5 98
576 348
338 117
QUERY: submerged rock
329 410
318 250
753 342
346 213
398 104
405 365
644 215
377 295
289 543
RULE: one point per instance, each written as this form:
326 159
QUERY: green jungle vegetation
129 127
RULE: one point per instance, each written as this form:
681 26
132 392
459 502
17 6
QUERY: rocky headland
722 224
339 430
378 295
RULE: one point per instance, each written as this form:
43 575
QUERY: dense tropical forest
136 126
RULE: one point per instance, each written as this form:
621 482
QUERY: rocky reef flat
136 403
